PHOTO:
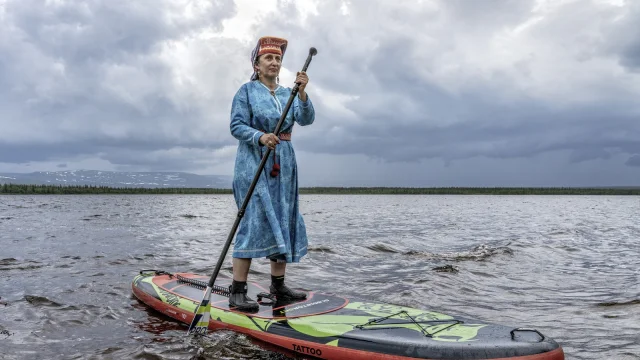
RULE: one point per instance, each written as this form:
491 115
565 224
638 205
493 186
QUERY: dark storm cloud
630 57
87 78
437 81
634 160
625 37
95 30
133 84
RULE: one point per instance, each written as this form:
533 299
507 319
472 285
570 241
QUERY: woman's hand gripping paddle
200 322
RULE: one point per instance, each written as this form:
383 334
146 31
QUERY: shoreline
28 189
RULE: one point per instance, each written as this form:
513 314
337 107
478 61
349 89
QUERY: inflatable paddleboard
332 327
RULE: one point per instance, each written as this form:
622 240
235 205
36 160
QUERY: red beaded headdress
268 45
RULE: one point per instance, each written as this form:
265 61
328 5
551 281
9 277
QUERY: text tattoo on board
307 350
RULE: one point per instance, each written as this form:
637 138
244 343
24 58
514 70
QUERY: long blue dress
272 225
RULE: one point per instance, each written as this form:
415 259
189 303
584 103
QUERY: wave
446 268
322 249
14 264
620 303
382 248
478 253
41 301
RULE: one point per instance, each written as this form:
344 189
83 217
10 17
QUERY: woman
272 226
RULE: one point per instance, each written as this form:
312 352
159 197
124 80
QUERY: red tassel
276 170
276 167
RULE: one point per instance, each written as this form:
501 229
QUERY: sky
406 92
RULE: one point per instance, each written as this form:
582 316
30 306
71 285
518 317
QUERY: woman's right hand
269 140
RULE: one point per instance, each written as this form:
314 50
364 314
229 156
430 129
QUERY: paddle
200 322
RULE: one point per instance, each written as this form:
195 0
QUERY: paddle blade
200 322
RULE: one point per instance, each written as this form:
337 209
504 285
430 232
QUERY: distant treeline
92 189
472 191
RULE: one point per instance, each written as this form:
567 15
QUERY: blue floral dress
272 225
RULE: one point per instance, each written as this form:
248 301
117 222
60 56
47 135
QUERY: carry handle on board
200 322
513 335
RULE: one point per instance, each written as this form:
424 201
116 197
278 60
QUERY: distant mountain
119 179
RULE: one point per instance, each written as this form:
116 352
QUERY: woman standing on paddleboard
272 226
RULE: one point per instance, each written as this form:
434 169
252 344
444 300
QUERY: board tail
200 323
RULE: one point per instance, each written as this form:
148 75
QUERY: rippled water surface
568 266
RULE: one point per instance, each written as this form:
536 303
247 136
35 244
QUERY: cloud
448 80
102 75
622 43
148 85
634 160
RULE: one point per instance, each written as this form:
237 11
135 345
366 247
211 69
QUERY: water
565 265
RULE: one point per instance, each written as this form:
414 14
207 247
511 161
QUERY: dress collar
269 90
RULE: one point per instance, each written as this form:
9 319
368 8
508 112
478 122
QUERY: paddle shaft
247 197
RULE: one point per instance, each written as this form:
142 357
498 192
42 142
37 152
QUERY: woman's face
269 65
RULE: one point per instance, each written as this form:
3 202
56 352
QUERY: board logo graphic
172 299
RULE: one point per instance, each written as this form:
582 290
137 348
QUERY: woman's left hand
302 80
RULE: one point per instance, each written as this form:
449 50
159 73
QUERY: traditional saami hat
267 45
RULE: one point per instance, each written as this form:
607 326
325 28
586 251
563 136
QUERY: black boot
238 299
283 292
